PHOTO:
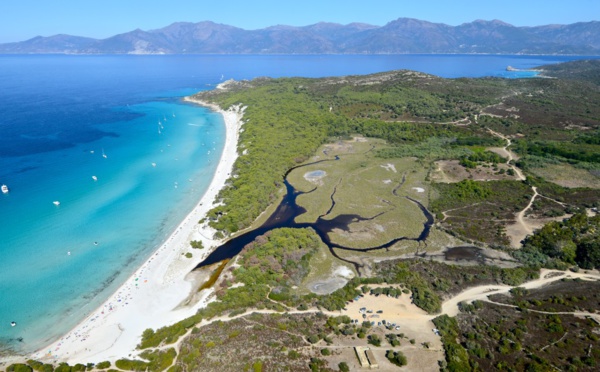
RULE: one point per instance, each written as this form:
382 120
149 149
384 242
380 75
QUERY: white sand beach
152 296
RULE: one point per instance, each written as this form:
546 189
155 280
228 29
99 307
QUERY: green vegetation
443 280
573 241
343 366
479 210
541 335
396 357
19 367
270 266
197 244
457 358
375 340
295 112
103 365
39 366
157 361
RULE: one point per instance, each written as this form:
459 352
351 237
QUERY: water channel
288 210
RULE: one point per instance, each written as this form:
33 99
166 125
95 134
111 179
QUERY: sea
103 159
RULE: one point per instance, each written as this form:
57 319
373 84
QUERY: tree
396 357
343 366
375 340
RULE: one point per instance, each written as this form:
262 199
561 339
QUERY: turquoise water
68 258
56 110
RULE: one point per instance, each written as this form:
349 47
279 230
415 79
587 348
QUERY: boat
13 324
4 189
56 202
103 154
95 178
154 164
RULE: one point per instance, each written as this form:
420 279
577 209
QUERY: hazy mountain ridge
404 35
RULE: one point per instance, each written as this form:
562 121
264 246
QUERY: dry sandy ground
413 322
416 323
450 171
151 298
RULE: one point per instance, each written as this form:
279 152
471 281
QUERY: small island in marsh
441 223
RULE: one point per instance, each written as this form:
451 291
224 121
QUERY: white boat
103 154
4 189
154 164
95 178
56 202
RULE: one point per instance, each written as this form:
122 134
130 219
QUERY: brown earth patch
450 171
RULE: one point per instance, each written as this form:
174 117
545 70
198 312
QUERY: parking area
389 314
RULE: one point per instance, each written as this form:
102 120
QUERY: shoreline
152 296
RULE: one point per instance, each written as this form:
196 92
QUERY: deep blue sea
60 114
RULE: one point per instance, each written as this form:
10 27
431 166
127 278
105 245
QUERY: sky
23 19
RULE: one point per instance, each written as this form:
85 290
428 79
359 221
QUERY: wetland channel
288 210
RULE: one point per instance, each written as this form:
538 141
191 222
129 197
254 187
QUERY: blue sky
23 19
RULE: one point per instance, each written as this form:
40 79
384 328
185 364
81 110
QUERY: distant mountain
404 35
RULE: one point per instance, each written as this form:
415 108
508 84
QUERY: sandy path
508 154
151 297
450 307
526 227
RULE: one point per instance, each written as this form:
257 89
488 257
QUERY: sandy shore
152 296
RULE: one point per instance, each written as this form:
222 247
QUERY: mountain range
404 35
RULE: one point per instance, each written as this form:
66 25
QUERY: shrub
103 365
196 244
375 340
396 357
18 367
